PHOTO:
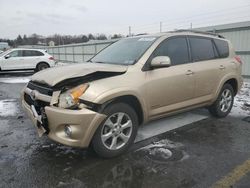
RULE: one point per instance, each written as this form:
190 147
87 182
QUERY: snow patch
8 107
15 80
72 183
241 105
162 143
62 64
164 153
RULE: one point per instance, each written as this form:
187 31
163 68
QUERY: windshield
125 51
4 53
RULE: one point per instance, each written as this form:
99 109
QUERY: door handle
222 67
189 72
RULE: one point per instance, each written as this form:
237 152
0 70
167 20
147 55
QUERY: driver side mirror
160 61
7 56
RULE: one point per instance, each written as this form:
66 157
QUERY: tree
25 40
116 36
91 37
19 40
58 39
10 42
34 39
85 38
101 37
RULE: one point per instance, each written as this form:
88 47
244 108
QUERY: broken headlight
70 98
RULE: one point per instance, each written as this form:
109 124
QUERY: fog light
67 130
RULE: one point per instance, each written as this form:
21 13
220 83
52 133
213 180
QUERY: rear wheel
42 66
224 103
117 132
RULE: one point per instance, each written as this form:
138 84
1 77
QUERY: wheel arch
234 83
232 80
132 101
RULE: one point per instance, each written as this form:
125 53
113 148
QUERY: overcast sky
47 17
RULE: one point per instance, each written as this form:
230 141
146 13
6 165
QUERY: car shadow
16 73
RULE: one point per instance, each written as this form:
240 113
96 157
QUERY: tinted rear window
32 53
202 49
222 47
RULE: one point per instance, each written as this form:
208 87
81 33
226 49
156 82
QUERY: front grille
37 103
28 99
39 106
41 88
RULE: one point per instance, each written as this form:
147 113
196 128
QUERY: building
239 35
4 45
51 43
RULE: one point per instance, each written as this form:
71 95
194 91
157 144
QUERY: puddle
162 152
15 80
247 119
8 107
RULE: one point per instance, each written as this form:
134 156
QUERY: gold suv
101 103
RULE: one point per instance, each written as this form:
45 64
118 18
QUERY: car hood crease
58 74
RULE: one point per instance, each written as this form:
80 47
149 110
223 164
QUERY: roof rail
199 32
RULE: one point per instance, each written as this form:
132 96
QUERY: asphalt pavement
208 152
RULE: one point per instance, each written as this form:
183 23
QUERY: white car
22 59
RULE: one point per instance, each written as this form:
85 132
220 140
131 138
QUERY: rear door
31 58
206 67
170 88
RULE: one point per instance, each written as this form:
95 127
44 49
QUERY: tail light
238 59
51 58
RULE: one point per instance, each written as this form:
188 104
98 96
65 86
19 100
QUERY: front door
12 60
170 88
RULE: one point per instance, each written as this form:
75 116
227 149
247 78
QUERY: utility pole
129 31
191 26
160 27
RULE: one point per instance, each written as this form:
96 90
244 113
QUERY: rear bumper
83 124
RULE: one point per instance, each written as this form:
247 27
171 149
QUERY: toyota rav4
102 102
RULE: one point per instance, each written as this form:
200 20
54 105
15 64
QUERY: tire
226 99
110 139
41 66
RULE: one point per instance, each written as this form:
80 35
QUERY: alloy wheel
226 100
116 131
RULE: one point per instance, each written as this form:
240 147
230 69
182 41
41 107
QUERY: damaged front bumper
83 124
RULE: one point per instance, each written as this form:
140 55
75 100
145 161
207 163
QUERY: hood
56 75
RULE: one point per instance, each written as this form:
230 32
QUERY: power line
211 20
223 11
197 20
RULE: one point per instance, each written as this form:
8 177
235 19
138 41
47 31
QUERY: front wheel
224 103
118 131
